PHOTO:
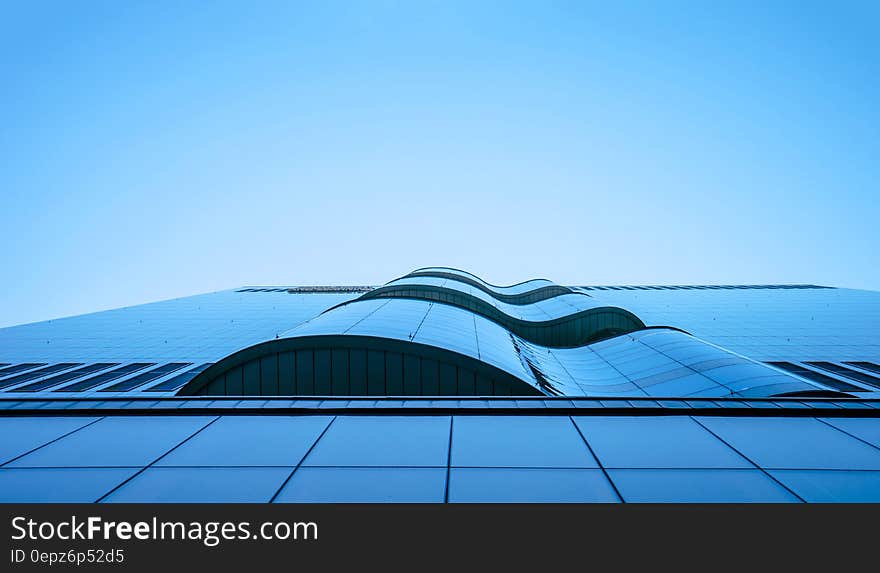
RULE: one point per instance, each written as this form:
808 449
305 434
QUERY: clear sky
154 150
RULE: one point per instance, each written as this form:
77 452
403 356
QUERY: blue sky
154 150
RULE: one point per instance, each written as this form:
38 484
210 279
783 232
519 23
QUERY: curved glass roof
568 319
657 362
520 293
458 347
540 311
422 322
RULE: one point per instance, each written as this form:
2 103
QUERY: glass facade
455 458
441 387
567 319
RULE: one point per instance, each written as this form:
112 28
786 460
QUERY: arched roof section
526 292
398 346
565 320
354 366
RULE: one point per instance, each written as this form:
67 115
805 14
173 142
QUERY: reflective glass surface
21 435
201 485
656 442
365 485
538 311
832 486
659 363
529 485
383 441
59 485
766 324
249 441
84 450
527 441
116 441
866 429
400 458
698 486
518 288
190 329
795 443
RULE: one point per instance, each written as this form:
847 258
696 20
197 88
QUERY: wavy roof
567 319
521 293
433 335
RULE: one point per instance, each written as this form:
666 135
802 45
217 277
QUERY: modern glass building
441 387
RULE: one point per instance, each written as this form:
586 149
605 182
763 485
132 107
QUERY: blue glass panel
794 443
393 319
197 329
529 485
383 441
736 372
496 347
117 441
522 287
698 486
365 485
59 485
656 442
250 441
202 485
20 435
766 324
518 441
449 327
818 486
867 429
683 386
339 321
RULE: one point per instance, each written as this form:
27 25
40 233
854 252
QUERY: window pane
383 441
119 441
656 442
794 443
20 435
59 485
518 441
365 485
202 485
698 486
529 485
817 486
867 429
250 441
